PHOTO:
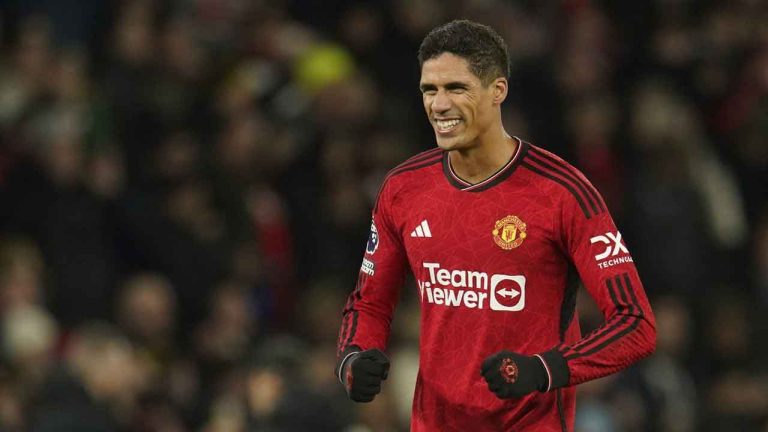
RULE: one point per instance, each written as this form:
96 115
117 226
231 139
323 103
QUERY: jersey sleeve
606 268
367 316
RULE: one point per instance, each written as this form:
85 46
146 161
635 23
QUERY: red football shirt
497 265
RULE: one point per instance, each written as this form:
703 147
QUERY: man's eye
430 92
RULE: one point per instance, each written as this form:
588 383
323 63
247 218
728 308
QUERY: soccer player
496 232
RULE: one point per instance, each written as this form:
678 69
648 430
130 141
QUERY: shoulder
569 182
416 163
413 168
408 174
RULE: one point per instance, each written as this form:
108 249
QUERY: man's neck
478 163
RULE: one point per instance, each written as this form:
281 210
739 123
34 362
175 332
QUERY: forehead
446 68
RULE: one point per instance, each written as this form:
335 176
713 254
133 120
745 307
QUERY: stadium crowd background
186 187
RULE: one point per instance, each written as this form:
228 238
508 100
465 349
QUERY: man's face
458 105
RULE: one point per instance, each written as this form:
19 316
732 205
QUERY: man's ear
500 89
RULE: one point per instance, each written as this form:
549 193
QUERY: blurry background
186 186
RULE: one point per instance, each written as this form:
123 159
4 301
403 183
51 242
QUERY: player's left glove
512 375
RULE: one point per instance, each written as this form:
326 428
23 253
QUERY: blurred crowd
186 186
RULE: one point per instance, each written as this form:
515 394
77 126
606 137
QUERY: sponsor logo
472 289
368 267
509 293
509 233
422 230
373 240
614 247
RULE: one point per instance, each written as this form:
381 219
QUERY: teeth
447 124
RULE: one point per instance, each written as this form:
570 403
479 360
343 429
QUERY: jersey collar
502 174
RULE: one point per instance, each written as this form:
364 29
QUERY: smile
444 126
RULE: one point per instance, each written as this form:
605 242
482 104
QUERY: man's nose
441 102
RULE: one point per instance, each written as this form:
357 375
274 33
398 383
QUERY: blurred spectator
24 77
29 336
684 197
672 387
278 393
737 390
225 335
22 274
146 312
95 387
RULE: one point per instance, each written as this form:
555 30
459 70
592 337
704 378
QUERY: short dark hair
482 47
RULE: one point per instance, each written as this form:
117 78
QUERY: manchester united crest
509 232
509 370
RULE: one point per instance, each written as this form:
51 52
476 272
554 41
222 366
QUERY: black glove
512 375
362 374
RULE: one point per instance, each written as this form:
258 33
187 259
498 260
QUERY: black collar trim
499 176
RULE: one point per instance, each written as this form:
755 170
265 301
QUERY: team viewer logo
471 289
507 293
509 232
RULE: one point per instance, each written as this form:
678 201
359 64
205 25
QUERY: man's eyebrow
456 85
427 86
450 86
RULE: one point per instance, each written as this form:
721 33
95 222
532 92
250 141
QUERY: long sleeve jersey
497 266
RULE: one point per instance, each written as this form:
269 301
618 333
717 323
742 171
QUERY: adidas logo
422 230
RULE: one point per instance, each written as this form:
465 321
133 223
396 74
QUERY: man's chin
448 143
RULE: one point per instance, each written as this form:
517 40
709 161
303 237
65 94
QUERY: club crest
509 370
509 232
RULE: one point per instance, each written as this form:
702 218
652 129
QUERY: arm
367 316
594 245
628 334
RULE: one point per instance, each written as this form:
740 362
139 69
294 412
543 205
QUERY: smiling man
497 233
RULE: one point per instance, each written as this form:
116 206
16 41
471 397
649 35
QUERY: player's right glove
362 373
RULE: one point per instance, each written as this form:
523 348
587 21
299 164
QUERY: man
495 231
98 380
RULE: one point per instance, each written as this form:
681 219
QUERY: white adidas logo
422 230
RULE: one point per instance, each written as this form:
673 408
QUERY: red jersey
497 266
